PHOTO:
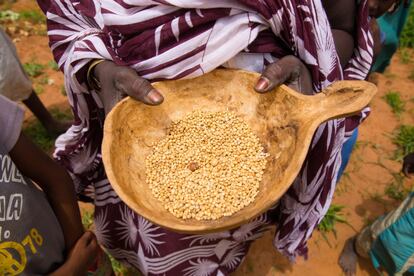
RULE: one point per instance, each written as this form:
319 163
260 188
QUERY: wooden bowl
283 119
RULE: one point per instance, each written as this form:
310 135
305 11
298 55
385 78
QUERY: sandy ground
361 190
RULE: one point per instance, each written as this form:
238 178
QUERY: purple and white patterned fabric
171 39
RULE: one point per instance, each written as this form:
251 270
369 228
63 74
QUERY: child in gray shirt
40 230
16 86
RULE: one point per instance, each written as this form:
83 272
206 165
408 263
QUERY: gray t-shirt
31 239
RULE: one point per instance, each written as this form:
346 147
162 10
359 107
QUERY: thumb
277 73
128 82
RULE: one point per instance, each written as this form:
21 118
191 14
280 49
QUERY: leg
16 85
348 257
379 240
39 110
357 246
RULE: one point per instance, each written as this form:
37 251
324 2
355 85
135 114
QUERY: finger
277 73
93 245
129 83
92 251
87 238
146 92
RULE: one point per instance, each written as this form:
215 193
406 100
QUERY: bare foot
348 258
80 258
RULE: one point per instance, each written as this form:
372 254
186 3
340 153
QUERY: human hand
408 164
80 257
120 81
288 70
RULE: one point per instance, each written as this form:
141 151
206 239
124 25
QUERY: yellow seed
209 166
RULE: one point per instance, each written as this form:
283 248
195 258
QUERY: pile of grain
209 166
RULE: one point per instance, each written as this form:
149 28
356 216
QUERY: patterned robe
171 39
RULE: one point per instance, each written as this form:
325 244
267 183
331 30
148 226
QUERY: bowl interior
132 128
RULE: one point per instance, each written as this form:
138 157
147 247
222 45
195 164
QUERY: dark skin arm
341 16
58 187
56 184
344 44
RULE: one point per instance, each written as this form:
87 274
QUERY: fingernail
155 96
262 84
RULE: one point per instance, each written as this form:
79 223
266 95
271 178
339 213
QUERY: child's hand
288 70
408 164
120 81
80 257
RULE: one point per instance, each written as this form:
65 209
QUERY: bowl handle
341 99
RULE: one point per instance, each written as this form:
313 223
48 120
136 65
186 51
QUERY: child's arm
341 15
56 184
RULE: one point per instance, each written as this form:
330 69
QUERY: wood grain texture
283 119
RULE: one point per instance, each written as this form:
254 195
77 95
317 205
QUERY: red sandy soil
362 192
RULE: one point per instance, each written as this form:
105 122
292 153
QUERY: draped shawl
172 39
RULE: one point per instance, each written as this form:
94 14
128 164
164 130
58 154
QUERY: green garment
391 25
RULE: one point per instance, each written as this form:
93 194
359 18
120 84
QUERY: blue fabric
395 245
346 152
390 24
383 36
